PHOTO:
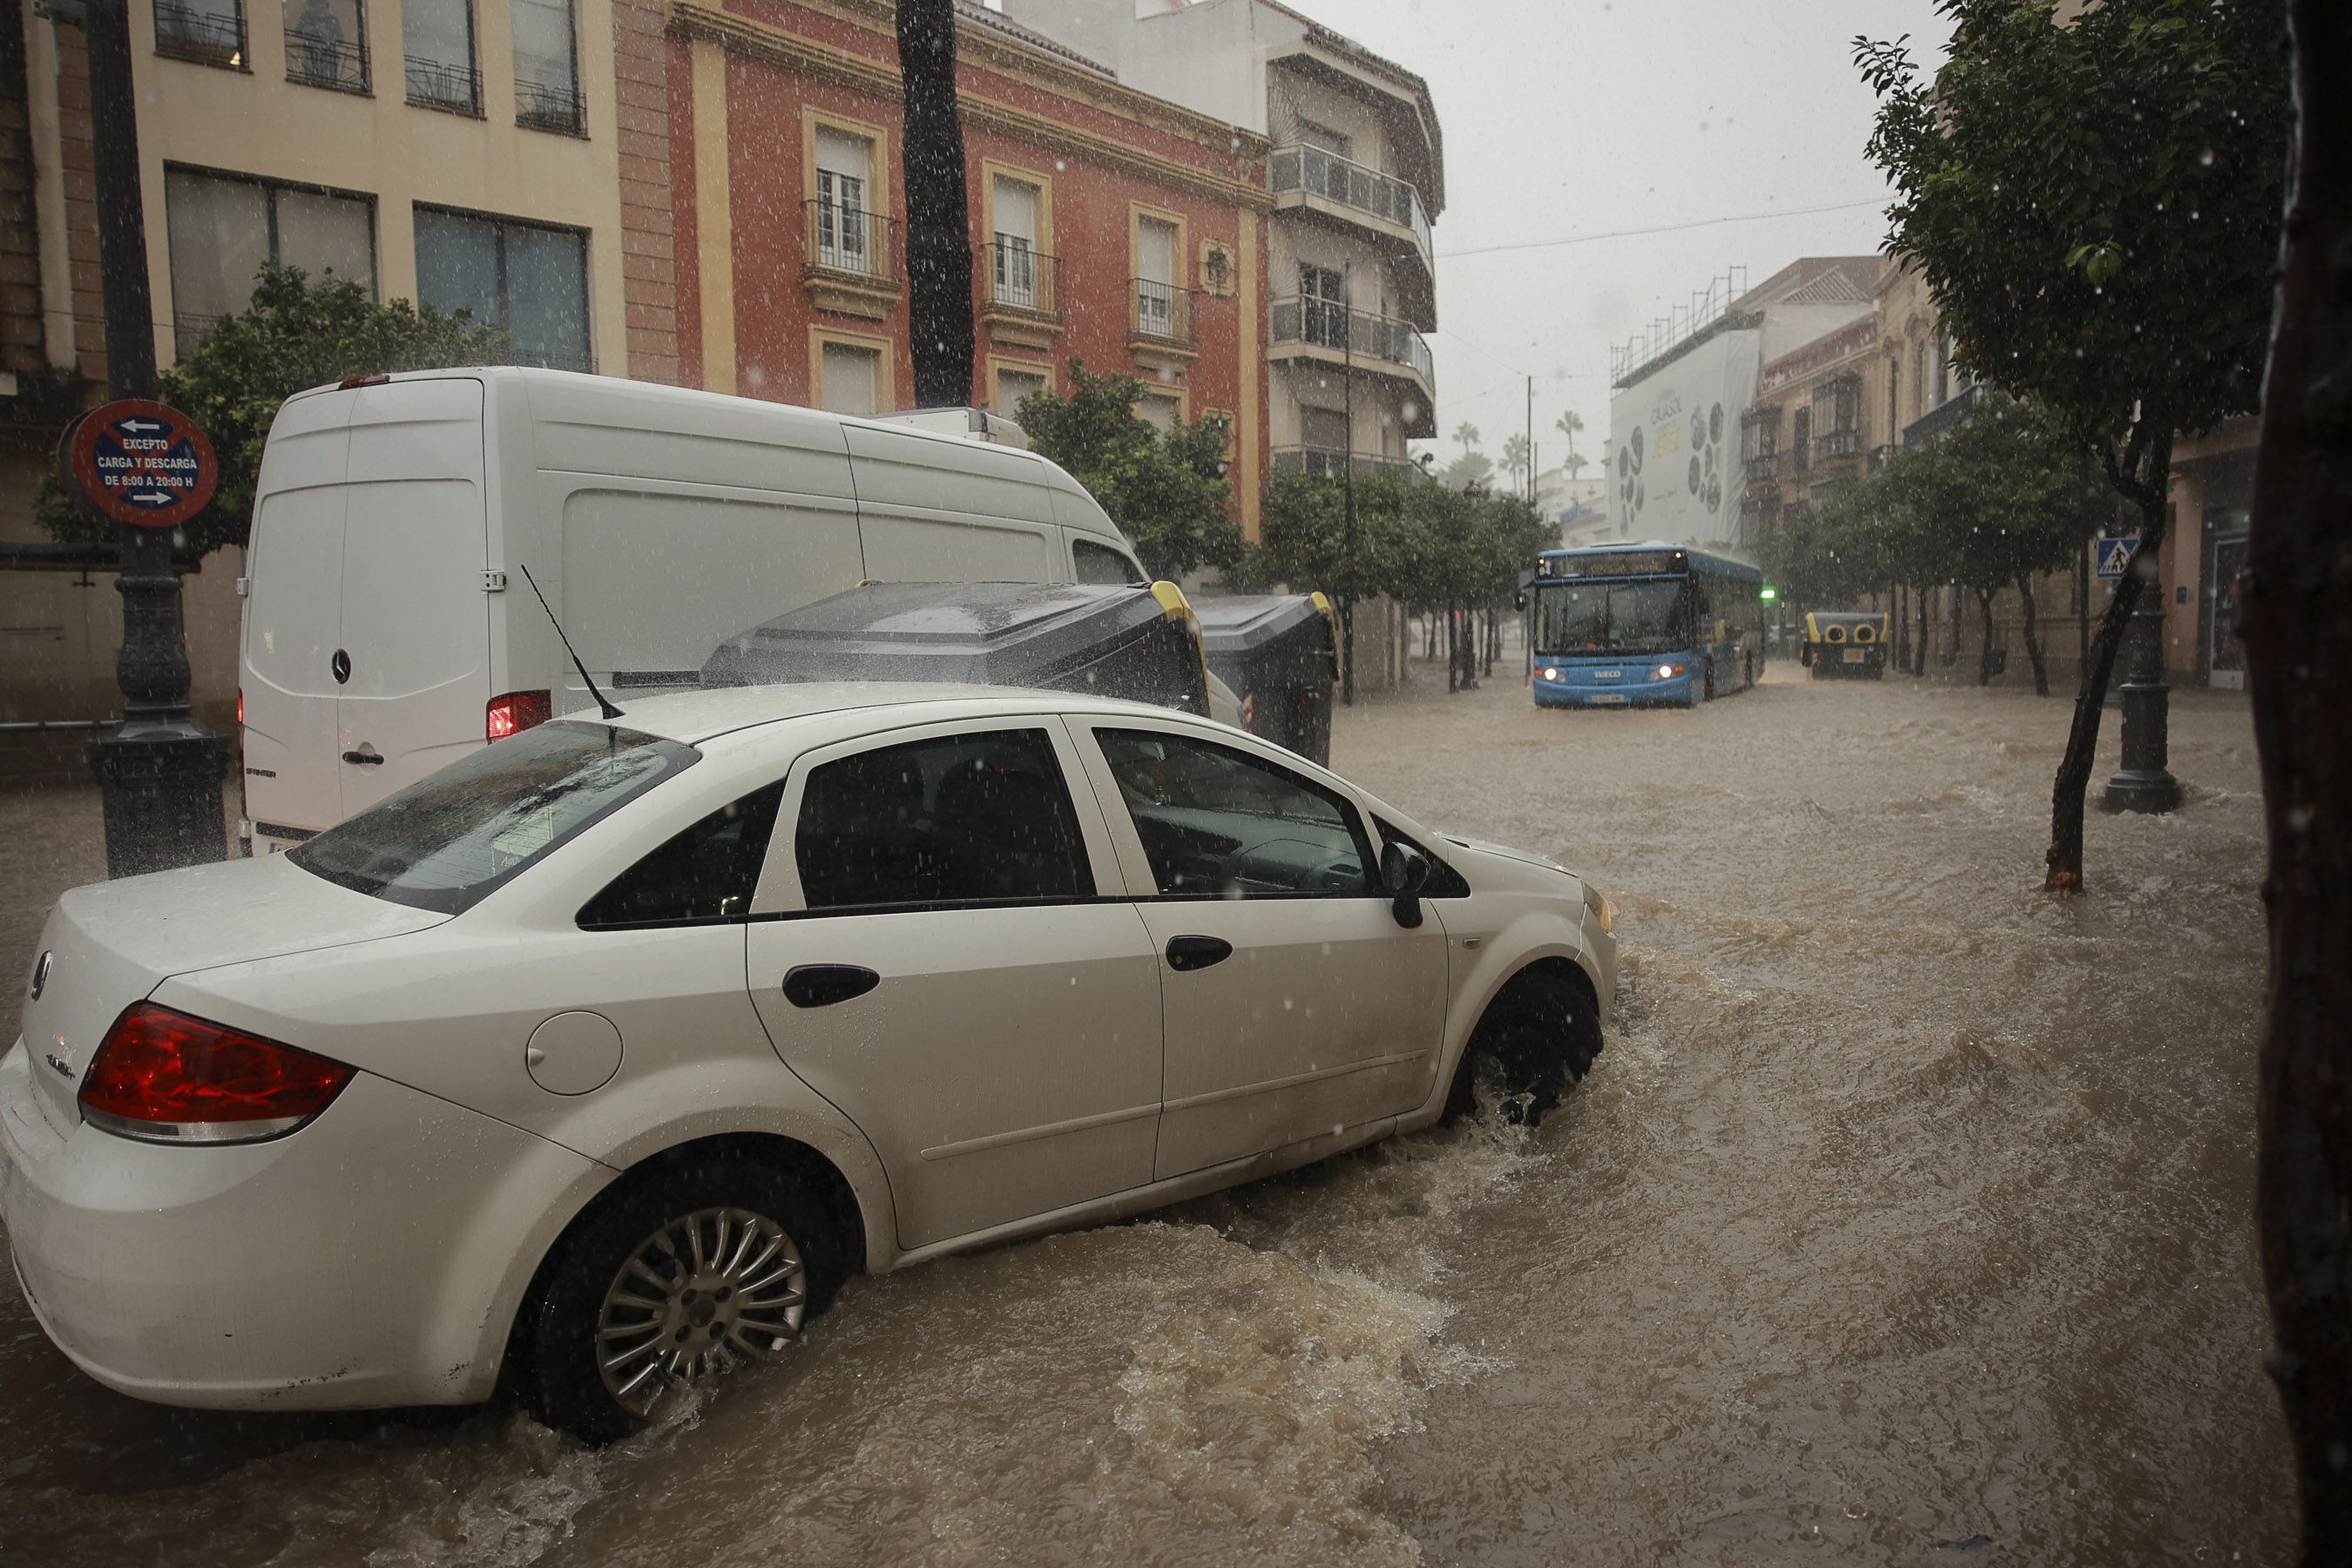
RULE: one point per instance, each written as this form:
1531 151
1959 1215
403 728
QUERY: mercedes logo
342 665
41 973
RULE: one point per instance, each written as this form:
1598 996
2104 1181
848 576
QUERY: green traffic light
1768 592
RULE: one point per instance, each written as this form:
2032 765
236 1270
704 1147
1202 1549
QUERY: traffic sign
142 463
2111 558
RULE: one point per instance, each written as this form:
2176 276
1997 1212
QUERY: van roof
697 716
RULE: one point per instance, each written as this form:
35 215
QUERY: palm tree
1571 424
1467 433
1515 457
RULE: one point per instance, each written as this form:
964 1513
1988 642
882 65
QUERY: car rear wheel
688 1273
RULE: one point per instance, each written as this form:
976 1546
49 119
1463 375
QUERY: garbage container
1280 655
1142 644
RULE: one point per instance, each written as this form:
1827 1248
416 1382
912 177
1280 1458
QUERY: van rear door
415 619
293 621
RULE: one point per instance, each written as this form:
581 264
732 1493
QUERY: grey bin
1277 652
1064 636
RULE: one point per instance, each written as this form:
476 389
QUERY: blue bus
1621 624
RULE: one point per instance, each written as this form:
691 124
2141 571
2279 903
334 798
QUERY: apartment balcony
1019 294
543 106
1763 468
849 263
1879 457
441 84
1326 332
1340 190
1832 444
1159 324
201 33
315 61
1330 462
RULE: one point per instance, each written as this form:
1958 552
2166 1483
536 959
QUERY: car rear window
446 841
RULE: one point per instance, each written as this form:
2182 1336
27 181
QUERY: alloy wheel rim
705 1292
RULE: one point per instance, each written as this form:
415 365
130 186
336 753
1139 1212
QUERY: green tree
1516 458
2096 205
1467 433
1166 490
294 335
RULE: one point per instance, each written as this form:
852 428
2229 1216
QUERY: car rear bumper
368 1258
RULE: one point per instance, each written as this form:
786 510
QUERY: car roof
697 716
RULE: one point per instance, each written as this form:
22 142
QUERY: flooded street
1905 1218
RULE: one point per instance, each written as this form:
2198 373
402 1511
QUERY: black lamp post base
2147 793
161 789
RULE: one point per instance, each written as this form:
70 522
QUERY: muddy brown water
1907 1218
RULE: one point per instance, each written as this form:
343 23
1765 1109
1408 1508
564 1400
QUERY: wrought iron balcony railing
317 61
1351 183
1329 462
850 241
211 34
442 84
1160 312
1763 468
544 106
1326 323
1016 278
1832 444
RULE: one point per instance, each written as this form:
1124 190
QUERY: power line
1662 228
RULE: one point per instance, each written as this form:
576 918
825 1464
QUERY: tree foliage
293 334
1166 490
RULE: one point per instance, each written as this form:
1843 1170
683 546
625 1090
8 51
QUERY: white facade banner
1673 462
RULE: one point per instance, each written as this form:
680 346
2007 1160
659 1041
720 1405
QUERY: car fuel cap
573 1053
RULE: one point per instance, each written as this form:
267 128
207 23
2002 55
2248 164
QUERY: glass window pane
1101 564
208 30
546 296
324 234
1217 823
458 264
438 37
1159 412
326 43
219 241
955 819
851 375
1012 387
707 873
1155 245
1016 211
542 43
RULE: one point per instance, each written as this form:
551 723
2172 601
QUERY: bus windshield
1619 617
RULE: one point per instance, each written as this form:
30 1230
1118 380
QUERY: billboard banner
1674 461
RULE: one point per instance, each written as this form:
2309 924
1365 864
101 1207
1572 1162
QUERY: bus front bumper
1587 686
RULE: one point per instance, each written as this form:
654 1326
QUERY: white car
605 1053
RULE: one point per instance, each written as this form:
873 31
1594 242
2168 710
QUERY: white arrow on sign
153 499
140 426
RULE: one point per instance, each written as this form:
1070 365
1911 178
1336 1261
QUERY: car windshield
1612 618
447 841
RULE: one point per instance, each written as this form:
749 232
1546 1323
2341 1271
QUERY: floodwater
1907 1218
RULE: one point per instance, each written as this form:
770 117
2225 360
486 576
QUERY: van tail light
244 807
514 713
165 1077
379 379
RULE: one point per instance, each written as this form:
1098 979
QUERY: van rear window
446 842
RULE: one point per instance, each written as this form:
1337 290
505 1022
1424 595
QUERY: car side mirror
1404 871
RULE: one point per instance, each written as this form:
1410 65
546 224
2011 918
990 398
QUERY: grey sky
1567 116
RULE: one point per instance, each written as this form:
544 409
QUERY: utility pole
1348 481
160 773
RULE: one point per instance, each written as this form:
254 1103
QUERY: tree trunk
1346 650
938 226
1984 654
2298 643
1919 647
2144 474
1952 654
1452 659
1903 627
2032 641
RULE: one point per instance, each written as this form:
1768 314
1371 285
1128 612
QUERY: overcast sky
1584 117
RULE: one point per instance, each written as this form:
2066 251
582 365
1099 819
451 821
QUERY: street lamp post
160 773
2144 783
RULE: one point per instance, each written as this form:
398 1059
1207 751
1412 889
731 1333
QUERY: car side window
972 818
1220 822
706 873
1100 564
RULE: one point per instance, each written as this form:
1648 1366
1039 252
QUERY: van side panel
293 618
938 510
416 619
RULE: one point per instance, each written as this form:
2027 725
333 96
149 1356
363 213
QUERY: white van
388 628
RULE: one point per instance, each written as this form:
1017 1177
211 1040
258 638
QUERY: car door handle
822 985
368 759
1187 953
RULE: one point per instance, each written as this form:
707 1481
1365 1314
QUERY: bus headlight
1551 674
1668 672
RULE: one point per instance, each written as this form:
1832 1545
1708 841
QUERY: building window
326 44
1013 386
1157 246
1014 266
1323 138
547 66
844 236
849 378
210 32
1161 411
1760 433
223 229
527 280
438 37
1323 302
1324 429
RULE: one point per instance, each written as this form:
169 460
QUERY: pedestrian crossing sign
2112 558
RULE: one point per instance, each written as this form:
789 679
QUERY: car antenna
601 700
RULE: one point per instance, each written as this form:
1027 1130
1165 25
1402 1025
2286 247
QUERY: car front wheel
1537 1041
688 1272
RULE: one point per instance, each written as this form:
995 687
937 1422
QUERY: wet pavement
1907 1218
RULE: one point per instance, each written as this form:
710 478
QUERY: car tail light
514 713
166 1078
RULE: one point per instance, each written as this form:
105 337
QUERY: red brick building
1108 226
